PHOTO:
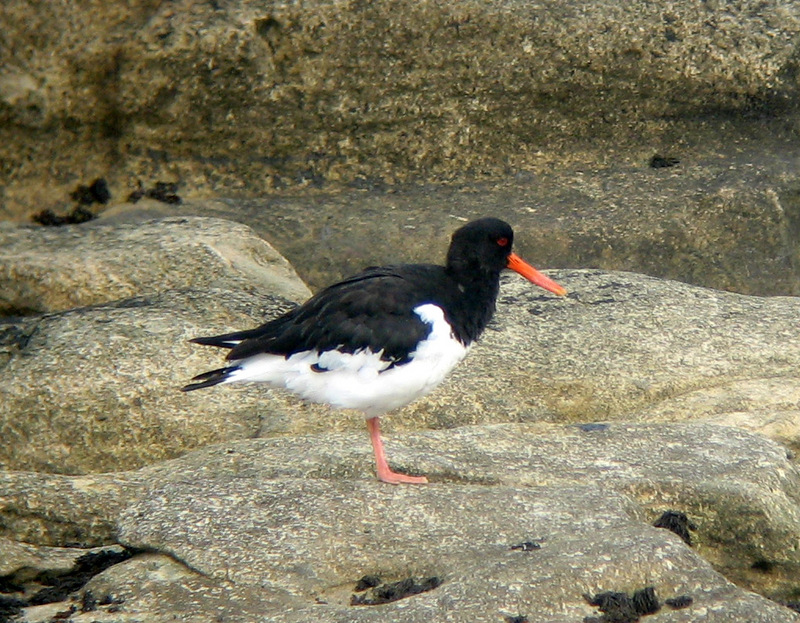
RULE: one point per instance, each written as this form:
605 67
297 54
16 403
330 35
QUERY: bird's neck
475 305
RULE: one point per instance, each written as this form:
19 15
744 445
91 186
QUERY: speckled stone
96 389
239 96
58 268
285 528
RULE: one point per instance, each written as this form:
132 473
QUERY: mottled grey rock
620 342
42 579
155 588
310 535
19 556
95 389
235 95
317 538
770 406
517 584
64 511
283 529
741 489
58 268
729 221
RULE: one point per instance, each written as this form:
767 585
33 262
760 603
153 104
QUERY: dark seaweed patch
622 608
676 522
48 218
526 546
662 162
393 591
59 586
679 602
165 192
96 192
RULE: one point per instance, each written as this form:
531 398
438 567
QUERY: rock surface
285 528
55 269
95 389
235 95
564 120
568 431
729 221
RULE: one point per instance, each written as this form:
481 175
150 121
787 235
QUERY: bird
382 338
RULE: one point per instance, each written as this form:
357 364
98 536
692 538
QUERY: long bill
517 264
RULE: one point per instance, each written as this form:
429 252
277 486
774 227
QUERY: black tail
208 379
228 340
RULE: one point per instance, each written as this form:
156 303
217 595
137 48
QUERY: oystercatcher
384 337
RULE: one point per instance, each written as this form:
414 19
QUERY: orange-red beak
517 264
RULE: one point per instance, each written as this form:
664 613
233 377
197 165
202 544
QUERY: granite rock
59 268
284 528
236 96
728 221
95 389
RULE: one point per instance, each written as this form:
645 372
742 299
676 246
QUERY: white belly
361 380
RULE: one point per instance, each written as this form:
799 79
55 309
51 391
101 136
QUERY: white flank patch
361 380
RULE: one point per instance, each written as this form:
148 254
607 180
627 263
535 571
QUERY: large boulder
55 269
728 222
95 388
236 94
519 520
572 426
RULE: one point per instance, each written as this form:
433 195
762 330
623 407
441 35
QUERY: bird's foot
393 478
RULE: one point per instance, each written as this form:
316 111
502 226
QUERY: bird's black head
480 248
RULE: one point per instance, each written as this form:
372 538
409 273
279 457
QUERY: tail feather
228 340
222 341
210 378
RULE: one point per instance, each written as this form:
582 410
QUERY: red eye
503 242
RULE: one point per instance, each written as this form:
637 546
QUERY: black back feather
374 310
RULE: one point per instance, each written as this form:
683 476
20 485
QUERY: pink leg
385 473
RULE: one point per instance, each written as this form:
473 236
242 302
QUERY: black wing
374 309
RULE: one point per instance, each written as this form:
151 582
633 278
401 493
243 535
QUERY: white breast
361 380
